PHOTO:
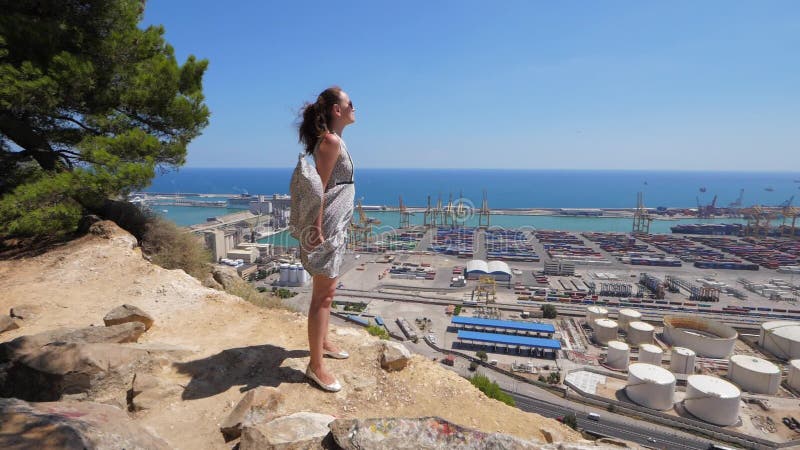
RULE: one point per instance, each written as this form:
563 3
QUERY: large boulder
7 323
227 277
128 313
256 406
45 366
415 434
303 430
71 425
395 356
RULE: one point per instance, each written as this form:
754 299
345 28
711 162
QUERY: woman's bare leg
318 318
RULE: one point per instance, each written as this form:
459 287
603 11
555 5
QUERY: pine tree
91 106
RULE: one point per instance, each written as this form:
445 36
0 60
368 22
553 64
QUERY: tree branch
153 126
80 124
21 133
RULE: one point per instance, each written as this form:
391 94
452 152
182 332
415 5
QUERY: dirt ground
233 346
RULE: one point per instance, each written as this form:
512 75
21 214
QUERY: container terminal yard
697 331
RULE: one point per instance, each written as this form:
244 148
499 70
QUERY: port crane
787 203
641 217
405 215
789 214
704 212
736 206
484 214
429 219
758 220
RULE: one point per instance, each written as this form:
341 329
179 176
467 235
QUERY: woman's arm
326 156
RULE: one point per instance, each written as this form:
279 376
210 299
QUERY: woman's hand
313 238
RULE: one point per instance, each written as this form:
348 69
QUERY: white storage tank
627 316
781 338
754 374
682 360
767 327
605 330
618 355
650 386
712 399
302 276
594 313
650 354
793 380
293 274
284 271
640 333
708 338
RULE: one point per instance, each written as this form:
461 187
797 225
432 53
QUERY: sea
503 189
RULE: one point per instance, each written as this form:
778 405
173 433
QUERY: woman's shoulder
330 139
330 143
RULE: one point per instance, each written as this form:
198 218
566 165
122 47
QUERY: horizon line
776 171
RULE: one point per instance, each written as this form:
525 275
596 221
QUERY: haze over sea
509 188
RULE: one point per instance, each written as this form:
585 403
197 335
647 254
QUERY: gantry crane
429 219
462 212
735 207
707 211
641 217
405 215
789 214
484 214
758 220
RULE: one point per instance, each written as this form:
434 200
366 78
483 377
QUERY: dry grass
171 247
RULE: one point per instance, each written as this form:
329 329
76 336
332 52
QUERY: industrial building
706 337
498 270
650 386
712 399
248 255
528 346
220 242
502 326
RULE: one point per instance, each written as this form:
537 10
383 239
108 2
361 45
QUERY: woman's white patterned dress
337 212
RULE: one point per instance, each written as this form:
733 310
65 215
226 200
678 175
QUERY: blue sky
679 85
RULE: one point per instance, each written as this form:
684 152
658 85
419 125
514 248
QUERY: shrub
473 366
549 311
379 331
457 310
491 389
171 247
480 354
571 421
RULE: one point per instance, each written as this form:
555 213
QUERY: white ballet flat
341 354
333 387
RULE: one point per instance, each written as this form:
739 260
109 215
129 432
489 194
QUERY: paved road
609 425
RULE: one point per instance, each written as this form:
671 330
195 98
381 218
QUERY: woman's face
346 109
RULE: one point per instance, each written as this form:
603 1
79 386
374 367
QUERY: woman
322 248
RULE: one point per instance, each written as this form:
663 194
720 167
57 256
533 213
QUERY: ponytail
315 118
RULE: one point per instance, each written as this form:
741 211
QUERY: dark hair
315 117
